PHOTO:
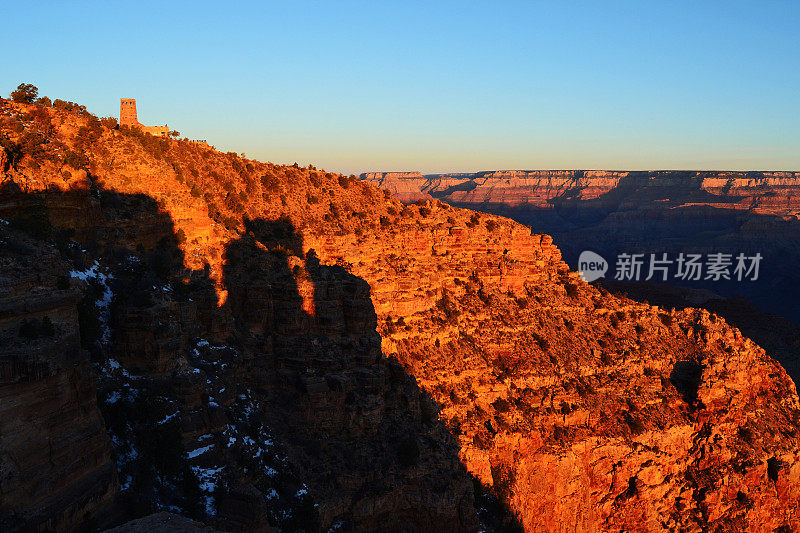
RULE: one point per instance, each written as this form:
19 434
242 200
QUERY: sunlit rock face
581 408
312 353
764 192
656 212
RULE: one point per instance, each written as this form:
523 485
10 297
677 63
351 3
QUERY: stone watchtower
127 112
128 117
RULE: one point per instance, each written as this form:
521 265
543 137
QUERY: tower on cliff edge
128 117
127 112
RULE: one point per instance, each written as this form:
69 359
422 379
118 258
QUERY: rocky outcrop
162 522
55 461
584 410
405 185
316 351
250 393
656 212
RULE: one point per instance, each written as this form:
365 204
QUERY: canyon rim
258 346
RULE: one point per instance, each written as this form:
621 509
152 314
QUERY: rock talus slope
256 310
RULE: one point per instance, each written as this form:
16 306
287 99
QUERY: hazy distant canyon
615 212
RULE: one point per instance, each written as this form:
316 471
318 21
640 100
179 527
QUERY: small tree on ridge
25 93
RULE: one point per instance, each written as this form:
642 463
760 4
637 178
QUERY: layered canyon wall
313 353
652 212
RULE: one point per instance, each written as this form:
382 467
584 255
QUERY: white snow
127 484
199 451
208 483
113 397
104 301
168 418
90 272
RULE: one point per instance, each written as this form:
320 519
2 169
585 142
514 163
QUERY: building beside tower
128 117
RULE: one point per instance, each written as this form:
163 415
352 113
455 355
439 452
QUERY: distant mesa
128 117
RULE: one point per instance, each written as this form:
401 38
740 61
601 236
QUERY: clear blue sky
434 86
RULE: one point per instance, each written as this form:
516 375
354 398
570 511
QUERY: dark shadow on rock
127 272
687 376
192 394
356 425
466 186
779 337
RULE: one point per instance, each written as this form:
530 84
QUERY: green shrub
501 405
543 343
75 159
25 93
70 107
572 290
446 306
270 182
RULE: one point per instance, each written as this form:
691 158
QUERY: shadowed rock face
55 455
248 328
276 407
